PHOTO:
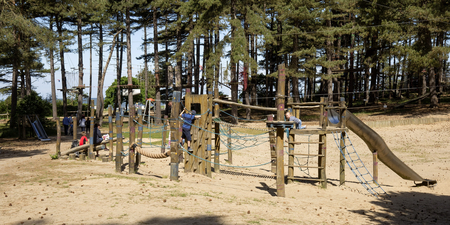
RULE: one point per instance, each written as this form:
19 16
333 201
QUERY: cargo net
356 165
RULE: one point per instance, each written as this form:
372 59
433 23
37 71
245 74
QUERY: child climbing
297 122
188 120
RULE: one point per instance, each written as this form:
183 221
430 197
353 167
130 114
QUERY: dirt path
37 190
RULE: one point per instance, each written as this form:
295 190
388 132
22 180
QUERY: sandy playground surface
38 190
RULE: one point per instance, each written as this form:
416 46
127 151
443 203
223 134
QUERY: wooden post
291 100
280 130
132 154
281 92
273 150
119 145
188 158
341 113
91 138
195 146
111 133
322 111
230 152
209 101
58 137
280 162
322 160
139 139
164 135
75 124
375 167
342 161
291 158
216 147
174 129
203 135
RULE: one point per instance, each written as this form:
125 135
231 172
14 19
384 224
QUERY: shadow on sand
410 208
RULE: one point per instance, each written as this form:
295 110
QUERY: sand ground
37 190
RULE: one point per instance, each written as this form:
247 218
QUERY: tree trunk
101 79
329 59
90 73
179 62
129 68
434 99
441 63
190 58
245 72
80 66
145 61
352 77
294 65
217 66
99 110
157 90
254 80
373 82
52 76
59 24
234 80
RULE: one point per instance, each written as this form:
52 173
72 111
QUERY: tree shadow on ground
192 220
197 220
8 153
414 111
409 208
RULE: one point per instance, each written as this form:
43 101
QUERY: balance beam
97 147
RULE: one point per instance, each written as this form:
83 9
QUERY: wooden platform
317 130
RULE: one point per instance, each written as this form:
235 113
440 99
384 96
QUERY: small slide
376 143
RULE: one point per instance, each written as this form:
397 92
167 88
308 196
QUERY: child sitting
83 140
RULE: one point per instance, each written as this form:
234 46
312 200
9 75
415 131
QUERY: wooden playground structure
202 158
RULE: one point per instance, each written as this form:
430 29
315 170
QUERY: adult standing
66 123
82 123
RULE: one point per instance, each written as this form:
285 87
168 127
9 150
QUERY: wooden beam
245 106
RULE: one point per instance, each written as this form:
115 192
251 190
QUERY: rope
263 164
146 153
241 118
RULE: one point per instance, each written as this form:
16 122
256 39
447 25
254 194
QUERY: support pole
91 138
291 158
111 133
322 160
280 130
209 133
187 104
273 151
375 167
139 139
216 147
119 145
342 161
164 135
174 129
75 125
58 137
230 152
280 163
131 150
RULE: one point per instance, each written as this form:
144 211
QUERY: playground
37 190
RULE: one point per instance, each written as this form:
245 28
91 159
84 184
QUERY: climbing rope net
356 165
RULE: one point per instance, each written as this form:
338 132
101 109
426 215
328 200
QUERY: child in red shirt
83 139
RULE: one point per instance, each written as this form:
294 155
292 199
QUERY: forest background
362 50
